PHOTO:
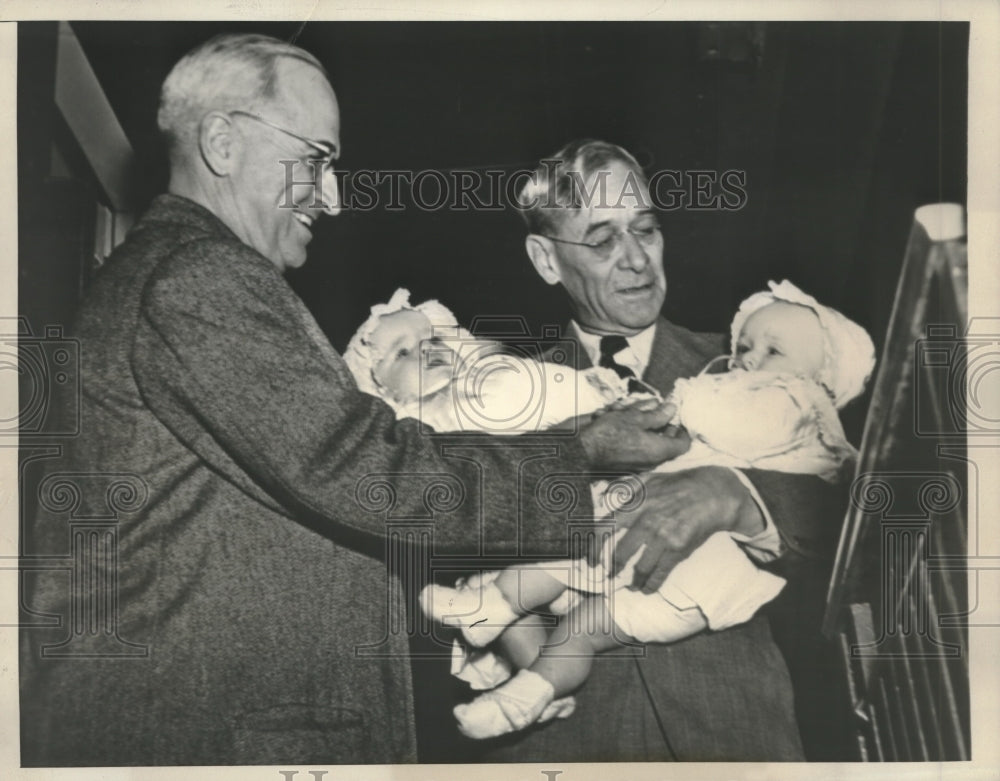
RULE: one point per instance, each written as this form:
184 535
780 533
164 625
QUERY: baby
425 366
793 363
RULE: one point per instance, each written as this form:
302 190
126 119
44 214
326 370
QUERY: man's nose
328 192
633 255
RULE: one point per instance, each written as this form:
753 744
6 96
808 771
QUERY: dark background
843 129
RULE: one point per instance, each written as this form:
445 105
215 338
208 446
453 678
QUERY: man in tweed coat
254 603
718 695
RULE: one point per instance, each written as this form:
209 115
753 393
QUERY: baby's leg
561 667
529 586
521 642
484 610
565 660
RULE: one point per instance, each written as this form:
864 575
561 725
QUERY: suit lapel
580 358
678 352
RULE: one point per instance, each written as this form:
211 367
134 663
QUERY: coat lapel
677 352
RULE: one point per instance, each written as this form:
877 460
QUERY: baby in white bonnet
424 365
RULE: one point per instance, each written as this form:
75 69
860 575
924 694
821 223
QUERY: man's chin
295 259
638 303
638 318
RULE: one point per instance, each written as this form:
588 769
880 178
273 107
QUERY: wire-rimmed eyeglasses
328 153
606 246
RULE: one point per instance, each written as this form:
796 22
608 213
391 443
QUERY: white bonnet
850 354
359 356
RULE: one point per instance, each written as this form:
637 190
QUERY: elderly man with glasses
247 614
715 696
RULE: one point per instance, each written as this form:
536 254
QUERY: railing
897 599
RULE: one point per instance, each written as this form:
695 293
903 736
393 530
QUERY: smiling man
250 601
235 119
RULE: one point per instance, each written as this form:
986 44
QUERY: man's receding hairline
272 95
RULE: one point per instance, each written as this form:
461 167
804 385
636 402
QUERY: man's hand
644 402
681 510
633 439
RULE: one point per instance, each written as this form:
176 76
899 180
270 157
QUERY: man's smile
304 218
637 290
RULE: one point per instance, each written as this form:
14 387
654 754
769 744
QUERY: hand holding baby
681 510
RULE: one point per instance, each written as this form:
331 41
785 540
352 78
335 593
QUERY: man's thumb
659 417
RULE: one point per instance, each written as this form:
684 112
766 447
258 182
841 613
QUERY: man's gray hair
230 71
557 184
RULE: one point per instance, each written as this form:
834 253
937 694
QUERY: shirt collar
636 356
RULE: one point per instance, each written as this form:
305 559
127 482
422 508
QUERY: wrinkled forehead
305 100
615 195
612 185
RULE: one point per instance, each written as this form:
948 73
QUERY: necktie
610 346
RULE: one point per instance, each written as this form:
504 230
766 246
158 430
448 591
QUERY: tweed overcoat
256 619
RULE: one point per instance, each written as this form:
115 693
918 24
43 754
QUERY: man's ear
216 143
543 257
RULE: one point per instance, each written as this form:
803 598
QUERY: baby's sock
523 700
481 613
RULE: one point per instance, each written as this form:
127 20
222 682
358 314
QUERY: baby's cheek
775 364
396 380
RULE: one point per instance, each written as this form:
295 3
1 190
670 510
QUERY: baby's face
781 337
409 362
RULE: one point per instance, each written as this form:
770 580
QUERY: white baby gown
500 393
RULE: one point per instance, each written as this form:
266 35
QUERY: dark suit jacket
254 572
715 696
